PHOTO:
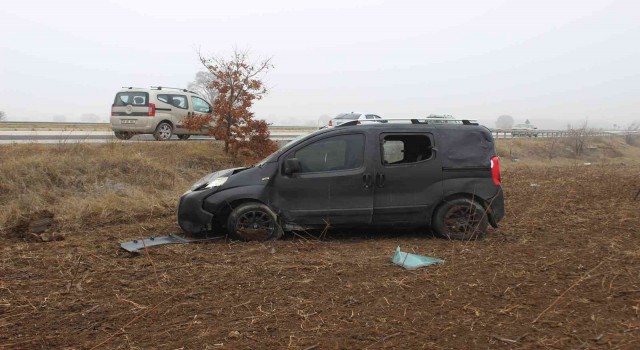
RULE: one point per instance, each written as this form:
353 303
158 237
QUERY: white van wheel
164 131
123 135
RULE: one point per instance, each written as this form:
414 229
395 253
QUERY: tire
460 219
184 137
163 132
123 135
254 222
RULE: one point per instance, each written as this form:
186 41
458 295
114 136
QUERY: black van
413 173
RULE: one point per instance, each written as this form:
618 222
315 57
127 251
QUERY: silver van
157 110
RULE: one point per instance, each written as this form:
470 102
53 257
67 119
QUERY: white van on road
157 110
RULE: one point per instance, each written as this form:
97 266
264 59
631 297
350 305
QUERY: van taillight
495 170
112 112
152 109
330 122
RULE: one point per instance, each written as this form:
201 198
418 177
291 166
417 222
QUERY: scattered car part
135 246
413 261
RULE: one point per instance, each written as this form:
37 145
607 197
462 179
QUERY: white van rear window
134 98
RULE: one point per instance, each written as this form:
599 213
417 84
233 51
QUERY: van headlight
217 182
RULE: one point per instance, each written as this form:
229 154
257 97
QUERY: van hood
207 179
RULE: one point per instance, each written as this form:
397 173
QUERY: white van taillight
112 112
495 170
330 122
152 109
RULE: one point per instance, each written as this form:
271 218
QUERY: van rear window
135 98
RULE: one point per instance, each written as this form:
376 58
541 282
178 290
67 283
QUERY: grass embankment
85 185
569 151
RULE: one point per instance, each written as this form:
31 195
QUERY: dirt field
562 271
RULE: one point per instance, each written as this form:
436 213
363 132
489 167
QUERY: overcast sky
553 62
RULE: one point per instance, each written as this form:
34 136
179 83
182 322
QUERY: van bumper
191 217
143 125
496 208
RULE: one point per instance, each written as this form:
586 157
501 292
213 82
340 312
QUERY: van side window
402 149
200 105
332 154
179 101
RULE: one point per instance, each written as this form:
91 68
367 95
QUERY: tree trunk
228 138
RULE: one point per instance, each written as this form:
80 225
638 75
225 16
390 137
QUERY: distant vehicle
416 173
347 117
157 110
524 130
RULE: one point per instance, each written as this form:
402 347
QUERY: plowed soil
561 272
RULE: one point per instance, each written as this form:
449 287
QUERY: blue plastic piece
413 261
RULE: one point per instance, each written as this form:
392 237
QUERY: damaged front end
192 218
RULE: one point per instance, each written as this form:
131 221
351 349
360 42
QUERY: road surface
86 136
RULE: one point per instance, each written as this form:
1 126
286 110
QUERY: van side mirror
292 166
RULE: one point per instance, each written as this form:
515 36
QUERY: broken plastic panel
137 245
413 261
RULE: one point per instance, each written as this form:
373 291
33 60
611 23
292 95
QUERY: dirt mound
37 227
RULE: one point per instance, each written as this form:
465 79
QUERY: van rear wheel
254 222
460 219
184 137
163 132
123 135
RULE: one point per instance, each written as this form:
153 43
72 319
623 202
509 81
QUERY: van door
334 185
176 107
200 107
408 178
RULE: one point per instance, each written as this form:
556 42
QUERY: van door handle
380 180
367 179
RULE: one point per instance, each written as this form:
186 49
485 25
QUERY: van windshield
284 148
134 98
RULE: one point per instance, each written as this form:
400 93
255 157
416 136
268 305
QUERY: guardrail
292 131
508 133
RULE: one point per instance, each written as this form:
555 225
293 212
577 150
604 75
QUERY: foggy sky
552 62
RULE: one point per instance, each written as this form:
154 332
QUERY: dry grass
560 151
88 184
85 185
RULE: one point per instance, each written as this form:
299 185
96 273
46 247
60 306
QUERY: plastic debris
413 261
136 246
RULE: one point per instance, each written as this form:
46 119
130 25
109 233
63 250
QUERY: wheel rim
164 131
255 225
461 220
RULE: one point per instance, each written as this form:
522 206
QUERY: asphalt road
61 136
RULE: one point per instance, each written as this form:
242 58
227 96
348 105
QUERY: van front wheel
163 132
254 222
460 219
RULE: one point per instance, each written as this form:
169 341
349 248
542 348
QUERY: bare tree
203 85
578 137
3 116
632 134
504 122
